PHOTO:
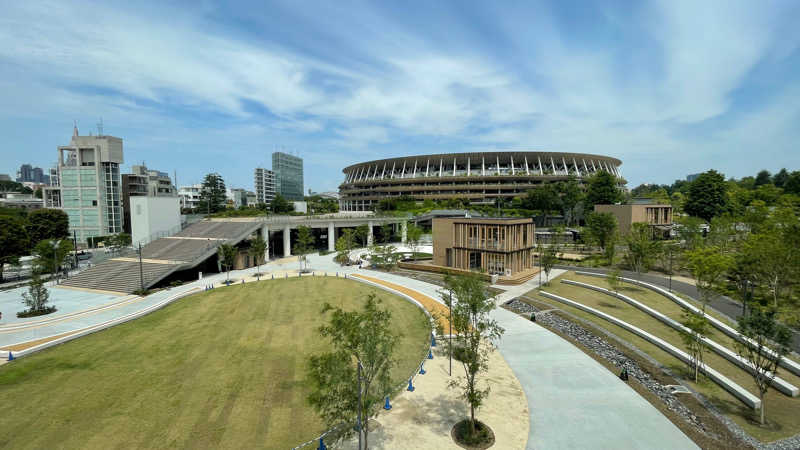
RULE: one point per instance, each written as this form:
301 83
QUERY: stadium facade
479 177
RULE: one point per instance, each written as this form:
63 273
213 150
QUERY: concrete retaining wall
737 391
786 363
778 383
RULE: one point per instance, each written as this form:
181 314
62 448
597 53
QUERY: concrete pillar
265 235
370 237
331 237
287 241
404 231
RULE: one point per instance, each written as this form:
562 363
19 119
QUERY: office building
5 177
479 178
20 200
264 183
90 185
143 182
288 176
159 183
28 173
500 246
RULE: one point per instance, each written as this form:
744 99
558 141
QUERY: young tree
280 205
226 254
119 240
37 297
13 241
708 267
344 245
668 256
549 257
212 194
387 233
602 189
690 232
614 280
258 248
475 330
47 224
52 254
304 245
353 378
361 234
601 229
707 196
768 342
413 236
384 256
642 249
697 328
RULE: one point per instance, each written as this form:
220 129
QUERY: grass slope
782 411
220 369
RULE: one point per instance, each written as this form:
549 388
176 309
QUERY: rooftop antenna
100 127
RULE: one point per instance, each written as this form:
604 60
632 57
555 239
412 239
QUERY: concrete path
574 402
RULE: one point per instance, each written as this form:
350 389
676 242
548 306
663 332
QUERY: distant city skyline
669 87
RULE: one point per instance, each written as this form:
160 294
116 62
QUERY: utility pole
141 274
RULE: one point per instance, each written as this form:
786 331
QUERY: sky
668 87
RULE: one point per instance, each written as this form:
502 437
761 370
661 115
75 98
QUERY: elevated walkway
162 257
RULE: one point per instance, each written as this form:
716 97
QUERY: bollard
322 445
410 387
433 340
422 368
10 356
387 406
430 354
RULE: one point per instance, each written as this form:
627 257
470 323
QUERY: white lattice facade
478 177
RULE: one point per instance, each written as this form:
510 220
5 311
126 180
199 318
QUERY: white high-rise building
190 195
90 185
264 183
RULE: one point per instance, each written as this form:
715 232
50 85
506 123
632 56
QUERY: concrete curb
786 363
737 391
778 383
101 326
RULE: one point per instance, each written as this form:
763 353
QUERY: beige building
657 216
503 246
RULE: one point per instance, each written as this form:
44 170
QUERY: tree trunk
762 408
365 426
472 420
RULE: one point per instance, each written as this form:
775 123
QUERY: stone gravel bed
610 353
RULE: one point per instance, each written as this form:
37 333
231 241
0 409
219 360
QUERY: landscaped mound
224 368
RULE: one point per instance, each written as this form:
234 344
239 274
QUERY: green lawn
220 369
782 411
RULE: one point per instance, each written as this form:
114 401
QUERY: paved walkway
574 401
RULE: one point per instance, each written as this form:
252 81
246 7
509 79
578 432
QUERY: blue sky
669 87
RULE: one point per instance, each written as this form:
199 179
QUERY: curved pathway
573 401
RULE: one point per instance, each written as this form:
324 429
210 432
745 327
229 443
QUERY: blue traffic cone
422 368
410 385
430 354
433 340
387 406
322 445
10 356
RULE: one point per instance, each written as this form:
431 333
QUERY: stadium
479 177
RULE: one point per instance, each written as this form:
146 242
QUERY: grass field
782 411
220 369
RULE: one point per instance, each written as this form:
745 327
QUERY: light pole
75 245
450 338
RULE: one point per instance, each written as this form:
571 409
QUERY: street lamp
360 424
450 338
55 243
